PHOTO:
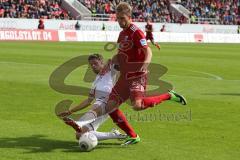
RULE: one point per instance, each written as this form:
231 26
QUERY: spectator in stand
32 9
1 11
223 11
192 19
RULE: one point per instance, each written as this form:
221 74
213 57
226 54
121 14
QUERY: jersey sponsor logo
143 42
125 45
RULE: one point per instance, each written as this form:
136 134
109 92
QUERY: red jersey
131 42
149 28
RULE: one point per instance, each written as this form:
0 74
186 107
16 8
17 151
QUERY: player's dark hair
95 56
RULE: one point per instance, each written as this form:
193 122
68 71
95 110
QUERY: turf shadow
100 146
36 143
40 143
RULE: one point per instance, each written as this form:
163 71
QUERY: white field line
211 76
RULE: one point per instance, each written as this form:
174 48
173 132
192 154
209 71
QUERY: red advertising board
70 36
29 35
198 37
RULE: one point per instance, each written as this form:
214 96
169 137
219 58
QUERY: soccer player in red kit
133 58
41 24
149 35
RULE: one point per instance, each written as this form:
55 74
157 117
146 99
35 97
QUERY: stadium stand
206 11
157 11
32 9
213 11
225 11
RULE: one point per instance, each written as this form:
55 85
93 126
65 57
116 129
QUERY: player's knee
137 105
111 106
83 130
97 111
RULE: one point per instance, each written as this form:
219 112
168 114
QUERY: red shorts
128 88
149 36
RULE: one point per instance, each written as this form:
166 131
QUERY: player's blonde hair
125 8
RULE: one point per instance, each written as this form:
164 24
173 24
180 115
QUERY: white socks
87 118
90 117
106 135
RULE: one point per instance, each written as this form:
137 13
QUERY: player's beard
97 70
125 26
122 26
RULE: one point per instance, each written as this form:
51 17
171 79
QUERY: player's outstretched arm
81 106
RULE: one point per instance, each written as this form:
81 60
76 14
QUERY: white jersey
103 84
101 88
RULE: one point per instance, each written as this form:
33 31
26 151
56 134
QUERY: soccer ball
87 141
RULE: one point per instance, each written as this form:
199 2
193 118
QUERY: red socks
121 121
154 100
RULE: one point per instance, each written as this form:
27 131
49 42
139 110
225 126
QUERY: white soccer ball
87 141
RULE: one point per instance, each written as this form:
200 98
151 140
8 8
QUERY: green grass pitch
206 129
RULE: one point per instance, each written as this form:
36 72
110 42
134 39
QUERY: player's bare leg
84 129
141 103
112 105
92 115
91 127
72 123
155 44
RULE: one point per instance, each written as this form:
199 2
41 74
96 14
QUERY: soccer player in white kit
101 88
